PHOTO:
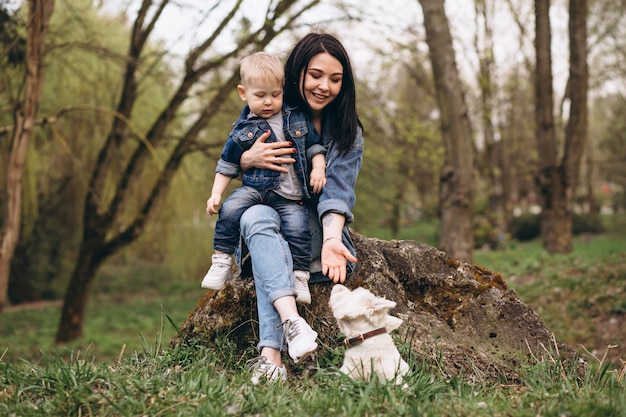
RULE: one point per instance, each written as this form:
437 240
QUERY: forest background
135 106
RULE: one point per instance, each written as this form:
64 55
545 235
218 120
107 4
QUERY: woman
318 77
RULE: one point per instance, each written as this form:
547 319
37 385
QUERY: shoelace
290 330
260 363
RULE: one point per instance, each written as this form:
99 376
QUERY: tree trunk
39 13
76 297
557 182
592 202
492 161
555 217
456 184
576 130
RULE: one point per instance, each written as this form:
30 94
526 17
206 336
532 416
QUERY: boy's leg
226 236
295 226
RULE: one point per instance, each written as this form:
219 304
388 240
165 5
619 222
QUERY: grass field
123 366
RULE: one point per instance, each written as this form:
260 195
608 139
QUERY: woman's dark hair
341 114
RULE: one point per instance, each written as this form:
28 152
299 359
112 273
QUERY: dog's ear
380 303
392 323
338 300
377 310
338 290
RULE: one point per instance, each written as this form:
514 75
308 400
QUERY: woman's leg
272 269
273 279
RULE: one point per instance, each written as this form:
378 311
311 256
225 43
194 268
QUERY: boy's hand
212 203
318 179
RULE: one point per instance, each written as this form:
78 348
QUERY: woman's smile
322 81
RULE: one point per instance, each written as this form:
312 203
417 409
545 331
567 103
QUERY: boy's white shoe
300 338
301 280
262 368
221 270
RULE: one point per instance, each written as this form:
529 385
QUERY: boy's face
264 99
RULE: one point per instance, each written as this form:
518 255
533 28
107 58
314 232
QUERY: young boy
262 79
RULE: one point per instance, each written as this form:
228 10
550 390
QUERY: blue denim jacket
338 196
247 129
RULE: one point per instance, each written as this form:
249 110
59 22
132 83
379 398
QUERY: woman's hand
335 256
267 155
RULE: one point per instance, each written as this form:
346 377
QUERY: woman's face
322 81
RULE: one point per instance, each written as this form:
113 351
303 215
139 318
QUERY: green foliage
425 231
525 227
584 223
83 75
612 147
528 226
403 149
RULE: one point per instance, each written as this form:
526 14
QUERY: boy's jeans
293 222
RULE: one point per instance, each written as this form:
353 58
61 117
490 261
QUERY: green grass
196 381
127 307
123 365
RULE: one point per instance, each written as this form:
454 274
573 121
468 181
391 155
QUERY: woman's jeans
293 222
272 268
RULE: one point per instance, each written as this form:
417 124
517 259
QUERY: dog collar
360 338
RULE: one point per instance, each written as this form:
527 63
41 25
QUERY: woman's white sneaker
262 368
300 338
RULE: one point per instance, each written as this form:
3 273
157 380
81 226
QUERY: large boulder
459 316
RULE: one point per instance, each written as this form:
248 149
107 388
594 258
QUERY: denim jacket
338 196
247 129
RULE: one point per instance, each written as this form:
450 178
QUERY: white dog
363 318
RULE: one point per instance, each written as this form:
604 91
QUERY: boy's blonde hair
263 67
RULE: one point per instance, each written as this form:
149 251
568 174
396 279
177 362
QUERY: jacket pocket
246 137
297 130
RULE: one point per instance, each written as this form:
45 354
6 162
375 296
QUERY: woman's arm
335 205
267 155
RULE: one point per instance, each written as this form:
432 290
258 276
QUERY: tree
456 182
492 156
556 180
112 217
25 111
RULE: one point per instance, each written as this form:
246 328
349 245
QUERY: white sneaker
301 279
261 367
221 270
300 338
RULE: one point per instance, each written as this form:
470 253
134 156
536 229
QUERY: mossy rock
457 316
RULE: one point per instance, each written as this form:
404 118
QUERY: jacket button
298 134
250 134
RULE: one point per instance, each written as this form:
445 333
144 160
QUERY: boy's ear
242 92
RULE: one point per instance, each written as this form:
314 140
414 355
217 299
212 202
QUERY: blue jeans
293 223
272 268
